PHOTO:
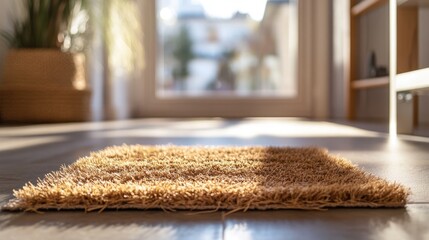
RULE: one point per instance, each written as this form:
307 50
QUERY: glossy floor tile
29 152
111 225
409 223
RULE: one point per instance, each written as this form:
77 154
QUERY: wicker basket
37 105
41 85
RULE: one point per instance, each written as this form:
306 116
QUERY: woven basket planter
43 85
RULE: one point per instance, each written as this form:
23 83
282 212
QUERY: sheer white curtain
115 58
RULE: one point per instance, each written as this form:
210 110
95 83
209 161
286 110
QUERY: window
228 48
241 58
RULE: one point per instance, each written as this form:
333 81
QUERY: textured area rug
208 178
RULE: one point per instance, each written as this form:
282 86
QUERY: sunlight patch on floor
244 129
17 143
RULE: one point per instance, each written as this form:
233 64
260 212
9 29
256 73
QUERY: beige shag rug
208 178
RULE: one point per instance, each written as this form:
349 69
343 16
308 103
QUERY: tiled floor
29 152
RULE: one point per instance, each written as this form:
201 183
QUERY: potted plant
44 71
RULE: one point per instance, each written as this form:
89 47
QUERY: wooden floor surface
29 152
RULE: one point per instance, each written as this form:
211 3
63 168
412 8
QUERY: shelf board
413 3
365 6
370 82
414 80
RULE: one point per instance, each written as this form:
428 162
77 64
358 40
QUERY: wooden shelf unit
407 46
356 83
409 79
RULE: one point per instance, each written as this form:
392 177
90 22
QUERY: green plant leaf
44 21
7 37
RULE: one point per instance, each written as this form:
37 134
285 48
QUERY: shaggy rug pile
208 178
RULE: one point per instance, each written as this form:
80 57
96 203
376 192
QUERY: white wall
424 37
340 58
373 104
424 60
374 36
